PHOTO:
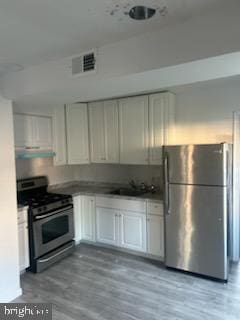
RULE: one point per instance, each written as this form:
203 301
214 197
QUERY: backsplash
112 173
44 166
115 173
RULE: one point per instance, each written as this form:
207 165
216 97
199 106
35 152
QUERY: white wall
204 113
9 271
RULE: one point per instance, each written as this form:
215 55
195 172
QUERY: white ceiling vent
84 64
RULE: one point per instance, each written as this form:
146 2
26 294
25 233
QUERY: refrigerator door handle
166 183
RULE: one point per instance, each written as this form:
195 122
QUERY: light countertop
75 188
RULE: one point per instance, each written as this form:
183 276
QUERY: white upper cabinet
97 132
23 136
161 124
59 136
104 143
42 132
133 129
77 133
32 132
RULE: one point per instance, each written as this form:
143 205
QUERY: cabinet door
111 131
133 122
97 132
77 133
42 132
161 124
23 134
107 225
156 127
133 230
77 207
59 136
23 246
103 117
155 235
88 219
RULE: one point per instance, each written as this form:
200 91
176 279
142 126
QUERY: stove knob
44 208
39 209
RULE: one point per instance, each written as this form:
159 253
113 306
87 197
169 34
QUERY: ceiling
35 31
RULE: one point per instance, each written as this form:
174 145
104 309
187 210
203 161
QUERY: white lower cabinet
84 218
155 229
132 230
77 210
107 226
129 224
23 244
155 235
88 219
124 229
121 223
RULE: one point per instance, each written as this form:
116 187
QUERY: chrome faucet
143 187
133 184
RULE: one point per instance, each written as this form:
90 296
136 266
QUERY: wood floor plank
102 284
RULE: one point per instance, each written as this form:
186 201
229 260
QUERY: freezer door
197 164
196 230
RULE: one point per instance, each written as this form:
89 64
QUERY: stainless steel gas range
50 221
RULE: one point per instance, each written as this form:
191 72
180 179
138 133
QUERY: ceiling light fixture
141 13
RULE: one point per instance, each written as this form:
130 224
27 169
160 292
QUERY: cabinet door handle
31 148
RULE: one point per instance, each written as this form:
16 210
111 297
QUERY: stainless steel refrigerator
197 204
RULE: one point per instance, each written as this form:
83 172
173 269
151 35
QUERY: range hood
23 154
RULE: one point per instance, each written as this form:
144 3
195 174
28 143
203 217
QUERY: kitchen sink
127 192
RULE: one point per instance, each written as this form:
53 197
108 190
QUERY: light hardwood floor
103 284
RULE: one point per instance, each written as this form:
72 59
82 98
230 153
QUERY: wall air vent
84 64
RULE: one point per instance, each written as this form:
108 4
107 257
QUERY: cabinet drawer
121 204
155 208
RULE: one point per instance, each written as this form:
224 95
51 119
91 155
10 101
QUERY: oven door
52 230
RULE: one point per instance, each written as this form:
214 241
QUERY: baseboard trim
9 296
132 252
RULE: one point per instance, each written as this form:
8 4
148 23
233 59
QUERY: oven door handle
53 213
56 254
